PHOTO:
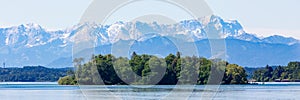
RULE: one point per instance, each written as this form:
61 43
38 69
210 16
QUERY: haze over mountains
30 44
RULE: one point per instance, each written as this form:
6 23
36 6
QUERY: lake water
52 91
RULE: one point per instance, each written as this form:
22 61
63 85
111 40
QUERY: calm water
52 91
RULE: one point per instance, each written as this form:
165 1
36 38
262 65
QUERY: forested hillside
289 73
32 74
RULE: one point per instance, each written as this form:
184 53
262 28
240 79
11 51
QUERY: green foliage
151 70
173 69
204 70
33 74
235 75
287 73
67 80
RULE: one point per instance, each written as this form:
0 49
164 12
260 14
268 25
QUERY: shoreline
271 83
56 83
28 83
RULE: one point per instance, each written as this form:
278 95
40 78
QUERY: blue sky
53 14
263 17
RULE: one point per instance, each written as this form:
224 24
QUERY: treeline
151 70
32 74
289 73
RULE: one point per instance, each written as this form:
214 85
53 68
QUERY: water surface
52 91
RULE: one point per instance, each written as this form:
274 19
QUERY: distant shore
56 83
28 83
271 83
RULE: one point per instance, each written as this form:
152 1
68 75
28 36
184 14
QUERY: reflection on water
39 91
229 92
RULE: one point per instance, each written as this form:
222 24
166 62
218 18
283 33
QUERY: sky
50 14
260 17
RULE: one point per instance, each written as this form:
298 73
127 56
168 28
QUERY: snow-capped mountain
280 40
31 44
27 36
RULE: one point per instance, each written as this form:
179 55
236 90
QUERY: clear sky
262 17
51 14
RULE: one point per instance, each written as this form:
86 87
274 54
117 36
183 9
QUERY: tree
189 73
235 75
204 70
136 64
123 70
264 74
170 76
277 73
154 70
67 80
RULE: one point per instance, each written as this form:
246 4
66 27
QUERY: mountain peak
280 40
32 25
190 30
28 26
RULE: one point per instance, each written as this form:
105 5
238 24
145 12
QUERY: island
111 70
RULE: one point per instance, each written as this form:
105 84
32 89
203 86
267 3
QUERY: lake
52 91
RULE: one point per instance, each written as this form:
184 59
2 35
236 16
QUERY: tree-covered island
110 70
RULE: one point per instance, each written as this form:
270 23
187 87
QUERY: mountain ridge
31 43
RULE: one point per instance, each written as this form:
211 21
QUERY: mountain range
31 44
